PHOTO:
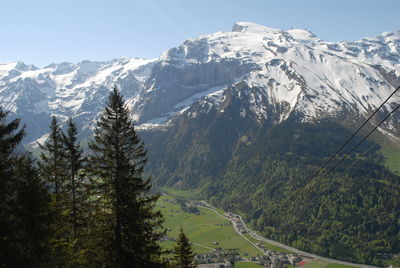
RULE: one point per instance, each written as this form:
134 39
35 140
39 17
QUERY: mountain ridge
292 69
247 116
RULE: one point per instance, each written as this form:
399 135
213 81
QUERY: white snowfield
292 69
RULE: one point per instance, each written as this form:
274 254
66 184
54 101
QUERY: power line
344 157
338 150
347 141
352 136
344 172
358 144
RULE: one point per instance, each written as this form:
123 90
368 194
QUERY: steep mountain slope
252 146
66 89
284 70
332 215
248 116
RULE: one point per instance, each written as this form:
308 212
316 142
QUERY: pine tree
184 256
74 186
76 205
32 215
8 142
52 164
53 170
127 222
24 203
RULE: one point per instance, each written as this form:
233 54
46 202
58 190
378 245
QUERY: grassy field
391 152
202 229
394 262
268 245
322 264
247 265
208 227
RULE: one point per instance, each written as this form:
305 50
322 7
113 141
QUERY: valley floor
211 228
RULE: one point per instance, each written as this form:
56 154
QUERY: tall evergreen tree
131 228
184 256
32 216
74 163
53 170
8 142
52 164
24 203
76 191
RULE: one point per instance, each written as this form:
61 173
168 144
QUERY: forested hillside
263 175
246 117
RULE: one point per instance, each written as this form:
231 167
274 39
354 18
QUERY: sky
41 32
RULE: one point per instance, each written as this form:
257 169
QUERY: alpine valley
246 118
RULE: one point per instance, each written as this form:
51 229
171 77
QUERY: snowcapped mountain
274 72
246 117
67 90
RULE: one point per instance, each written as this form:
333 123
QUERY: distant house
301 263
293 259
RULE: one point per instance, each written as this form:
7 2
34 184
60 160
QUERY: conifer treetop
184 256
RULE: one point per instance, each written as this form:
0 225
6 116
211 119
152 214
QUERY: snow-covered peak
61 68
14 67
250 27
390 36
23 67
7 66
283 70
303 35
66 89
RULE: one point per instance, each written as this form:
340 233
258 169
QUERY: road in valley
235 227
278 244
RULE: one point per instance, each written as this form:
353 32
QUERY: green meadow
391 152
247 265
208 227
323 264
203 229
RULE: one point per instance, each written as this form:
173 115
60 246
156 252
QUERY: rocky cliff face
247 116
274 72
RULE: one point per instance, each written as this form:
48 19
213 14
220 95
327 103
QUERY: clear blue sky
45 31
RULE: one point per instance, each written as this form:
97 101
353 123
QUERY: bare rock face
272 72
175 84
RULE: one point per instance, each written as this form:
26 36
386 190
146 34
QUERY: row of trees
81 211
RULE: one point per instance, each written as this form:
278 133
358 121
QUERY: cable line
344 157
352 136
342 173
344 144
